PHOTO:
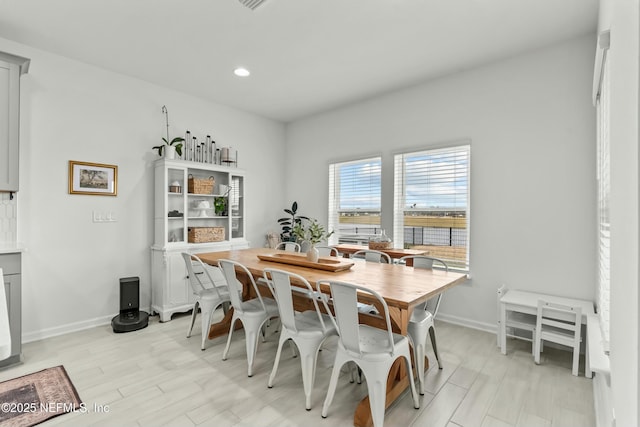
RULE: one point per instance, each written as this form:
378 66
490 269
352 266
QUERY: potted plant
220 205
173 146
220 202
289 223
169 147
314 233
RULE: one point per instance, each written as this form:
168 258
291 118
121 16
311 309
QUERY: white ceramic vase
313 254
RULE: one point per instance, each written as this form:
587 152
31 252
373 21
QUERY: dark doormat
31 399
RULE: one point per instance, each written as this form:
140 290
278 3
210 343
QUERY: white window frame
400 186
601 101
335 207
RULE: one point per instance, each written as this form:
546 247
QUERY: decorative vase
170 152
313 254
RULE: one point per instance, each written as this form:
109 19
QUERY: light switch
104 216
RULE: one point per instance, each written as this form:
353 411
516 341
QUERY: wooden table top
400 286
392 252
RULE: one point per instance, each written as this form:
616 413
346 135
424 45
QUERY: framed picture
93 178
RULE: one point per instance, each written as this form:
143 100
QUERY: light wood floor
157 376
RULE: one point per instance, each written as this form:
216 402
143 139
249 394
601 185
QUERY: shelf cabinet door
236 207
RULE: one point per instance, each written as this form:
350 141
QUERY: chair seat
374 341
211 295
307 324
253 307
421 316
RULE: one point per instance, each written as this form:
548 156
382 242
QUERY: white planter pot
170 152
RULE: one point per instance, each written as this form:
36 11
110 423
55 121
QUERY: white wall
622 17
73 111
531 124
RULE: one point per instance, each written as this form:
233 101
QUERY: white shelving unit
176 212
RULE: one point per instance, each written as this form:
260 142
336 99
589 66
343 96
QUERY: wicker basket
201 186
205 234
377 246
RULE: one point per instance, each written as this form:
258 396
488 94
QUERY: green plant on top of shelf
175 142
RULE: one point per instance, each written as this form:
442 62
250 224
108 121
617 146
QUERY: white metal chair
421 322
327 251
210 290
307 329
252 313
374 350
561 324
288 246
372 255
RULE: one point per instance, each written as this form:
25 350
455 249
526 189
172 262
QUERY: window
354 200
604 189
431 208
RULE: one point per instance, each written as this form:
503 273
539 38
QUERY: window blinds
354 193
431 202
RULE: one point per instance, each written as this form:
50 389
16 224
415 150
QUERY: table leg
502 329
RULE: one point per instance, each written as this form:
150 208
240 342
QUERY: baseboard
67 329
487 327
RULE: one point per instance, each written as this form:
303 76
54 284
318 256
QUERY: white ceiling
305 56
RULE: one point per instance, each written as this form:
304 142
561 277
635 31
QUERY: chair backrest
327 251
422 261
559 316
288 246
345 304
201 276
426 262
372 255
279 282
228 268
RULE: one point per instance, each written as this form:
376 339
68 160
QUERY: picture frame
96 179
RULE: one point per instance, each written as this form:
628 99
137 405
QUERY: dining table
403 288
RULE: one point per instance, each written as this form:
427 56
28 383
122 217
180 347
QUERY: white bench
526 303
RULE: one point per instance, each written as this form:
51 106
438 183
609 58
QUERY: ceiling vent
252 4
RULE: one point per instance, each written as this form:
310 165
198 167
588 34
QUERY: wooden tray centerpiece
324 263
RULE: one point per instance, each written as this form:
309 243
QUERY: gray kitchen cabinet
10 264
11 68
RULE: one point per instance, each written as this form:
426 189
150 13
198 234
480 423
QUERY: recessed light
241 72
